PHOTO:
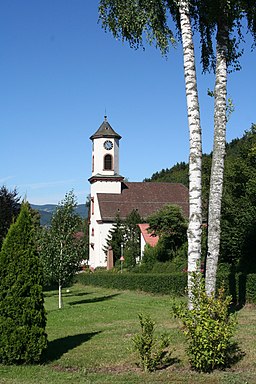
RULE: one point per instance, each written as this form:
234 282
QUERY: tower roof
105 130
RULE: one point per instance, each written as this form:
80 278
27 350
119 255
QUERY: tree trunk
217 170
60 275
195 157
60 297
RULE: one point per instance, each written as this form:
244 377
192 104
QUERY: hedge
169 284
242 287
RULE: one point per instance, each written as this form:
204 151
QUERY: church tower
105 179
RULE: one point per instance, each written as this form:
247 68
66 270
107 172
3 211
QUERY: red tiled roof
146 197
150 238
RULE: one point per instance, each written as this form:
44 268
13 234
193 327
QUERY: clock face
108 145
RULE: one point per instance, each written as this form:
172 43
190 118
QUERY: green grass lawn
90 342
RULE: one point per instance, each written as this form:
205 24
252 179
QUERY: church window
92 231
93 164
108 162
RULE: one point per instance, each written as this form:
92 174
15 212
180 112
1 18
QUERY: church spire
105 130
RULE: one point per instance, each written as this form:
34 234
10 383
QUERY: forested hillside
46 211
238 239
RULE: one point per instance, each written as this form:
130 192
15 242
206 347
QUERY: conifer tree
22 314
132 238
9 210
115 238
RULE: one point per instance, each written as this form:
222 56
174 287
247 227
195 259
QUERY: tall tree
9 210
60 250
129 20
220 21
22 314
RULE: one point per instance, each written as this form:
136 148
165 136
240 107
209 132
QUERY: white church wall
98 155
105 187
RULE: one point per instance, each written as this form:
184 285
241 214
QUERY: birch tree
220 21
133 21
60 250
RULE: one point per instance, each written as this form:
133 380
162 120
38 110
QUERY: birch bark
217 170
195 141
60 275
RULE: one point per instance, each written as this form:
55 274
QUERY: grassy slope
90 340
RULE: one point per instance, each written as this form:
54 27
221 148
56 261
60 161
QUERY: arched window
108 162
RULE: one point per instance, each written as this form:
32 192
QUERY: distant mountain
46 211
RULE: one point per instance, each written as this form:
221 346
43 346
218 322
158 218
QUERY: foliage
61 250
239 204
170 222
134 22
150 257
170 225
153 352
22 314
250 290
115 238
209 328
238 236
126 234
176 174
132 238
9 210
168 284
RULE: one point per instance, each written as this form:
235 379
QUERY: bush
209 328
153 352
168 284
22 314
251 288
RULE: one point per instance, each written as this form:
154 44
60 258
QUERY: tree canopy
61 249
9 210
22 314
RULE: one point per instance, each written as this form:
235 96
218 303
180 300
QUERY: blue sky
59 72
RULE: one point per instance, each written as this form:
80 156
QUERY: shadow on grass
58 347
78 294
94 300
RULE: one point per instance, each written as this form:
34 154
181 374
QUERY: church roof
105 130
146 197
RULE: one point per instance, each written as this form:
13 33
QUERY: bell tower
105 179
105 154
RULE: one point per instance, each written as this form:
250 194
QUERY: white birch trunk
60 297
60 272
195 158
217 170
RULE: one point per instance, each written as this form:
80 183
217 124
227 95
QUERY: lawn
90 342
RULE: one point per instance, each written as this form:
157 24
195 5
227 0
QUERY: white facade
99 152
105 179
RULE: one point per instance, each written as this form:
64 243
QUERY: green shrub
153 352
209 328
250 285
168 284
22 314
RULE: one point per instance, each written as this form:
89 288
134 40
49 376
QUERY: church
112 195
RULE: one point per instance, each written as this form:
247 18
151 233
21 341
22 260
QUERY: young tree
9 210
22 314
60 250
129 21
